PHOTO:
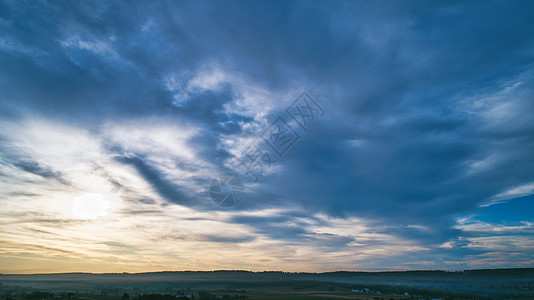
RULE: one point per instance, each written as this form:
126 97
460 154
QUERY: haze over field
413 147
211 285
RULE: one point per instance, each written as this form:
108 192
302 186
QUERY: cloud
427 118
515 192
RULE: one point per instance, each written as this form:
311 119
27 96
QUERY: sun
90 206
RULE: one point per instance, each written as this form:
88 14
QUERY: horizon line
272 271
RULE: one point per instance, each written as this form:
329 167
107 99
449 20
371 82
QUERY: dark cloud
167 189
12 157
35 168
228 239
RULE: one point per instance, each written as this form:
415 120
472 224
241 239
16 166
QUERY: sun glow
90 206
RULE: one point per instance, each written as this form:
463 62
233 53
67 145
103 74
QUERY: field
478 284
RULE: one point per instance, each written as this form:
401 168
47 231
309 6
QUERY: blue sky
116 116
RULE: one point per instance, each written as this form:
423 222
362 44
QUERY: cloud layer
423 157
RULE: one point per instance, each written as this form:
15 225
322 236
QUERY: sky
367 135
